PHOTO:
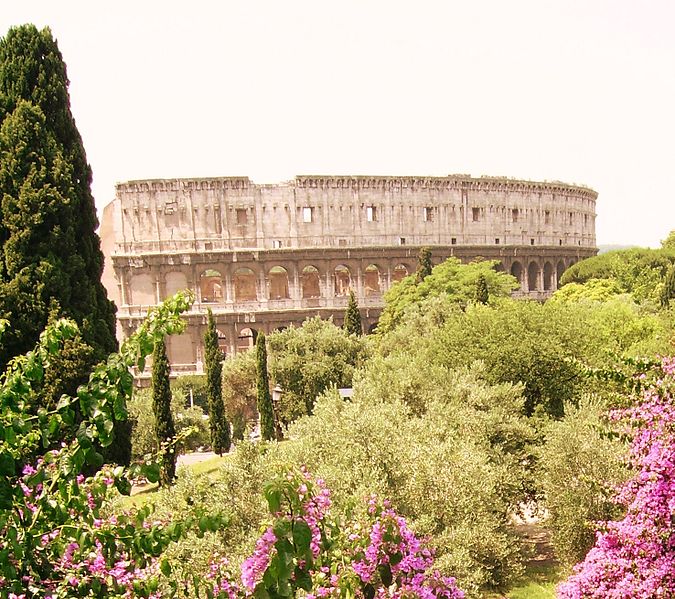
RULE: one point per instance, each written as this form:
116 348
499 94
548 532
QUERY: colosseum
263 256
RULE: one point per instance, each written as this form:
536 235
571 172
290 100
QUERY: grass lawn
146 493
538 582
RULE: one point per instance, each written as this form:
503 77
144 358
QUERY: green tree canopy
305 361
452 278
637 271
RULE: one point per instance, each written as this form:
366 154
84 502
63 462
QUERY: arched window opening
560 269
517 271
532 276
400 272
548 276
222 342
244 285
311 287
246 339
211 286
278 283
343 281
371 280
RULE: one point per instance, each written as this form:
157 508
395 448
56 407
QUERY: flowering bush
304 549
56 541
635 557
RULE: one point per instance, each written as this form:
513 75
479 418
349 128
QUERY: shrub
579 469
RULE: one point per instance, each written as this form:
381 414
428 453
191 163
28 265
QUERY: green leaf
165 567
7 465
302 535
303 580
151 471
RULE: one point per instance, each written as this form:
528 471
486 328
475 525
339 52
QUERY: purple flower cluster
392 544
635 557
254 567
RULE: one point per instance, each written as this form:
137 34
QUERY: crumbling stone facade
265 256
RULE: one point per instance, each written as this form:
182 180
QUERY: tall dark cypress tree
48 235
265 408
218 424
352 322
161 407
50 256
424 266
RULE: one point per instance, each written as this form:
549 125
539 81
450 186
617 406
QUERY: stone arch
372 328
310 282
244 285
371 280
343 280
533 276
246 339
560 269
517 271
175 281
278 277
143 290
399 273
548 276
211 286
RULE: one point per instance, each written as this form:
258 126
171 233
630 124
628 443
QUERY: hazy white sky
581 91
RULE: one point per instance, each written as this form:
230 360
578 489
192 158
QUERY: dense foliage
190 423
447 448
580 466
240 392
637 271
265 408
452 278
165 431
56 540
306 360
220 428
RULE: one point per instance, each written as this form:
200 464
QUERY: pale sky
581 91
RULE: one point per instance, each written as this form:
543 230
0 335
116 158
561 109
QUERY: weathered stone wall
264 256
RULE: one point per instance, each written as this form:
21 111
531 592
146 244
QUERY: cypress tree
265 408
218 424
482 293
165 430
352 322
49 252
668 291
48 231
424 266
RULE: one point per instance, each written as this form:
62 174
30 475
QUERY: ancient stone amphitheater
264 256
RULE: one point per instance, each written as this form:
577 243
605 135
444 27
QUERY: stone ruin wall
264 256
